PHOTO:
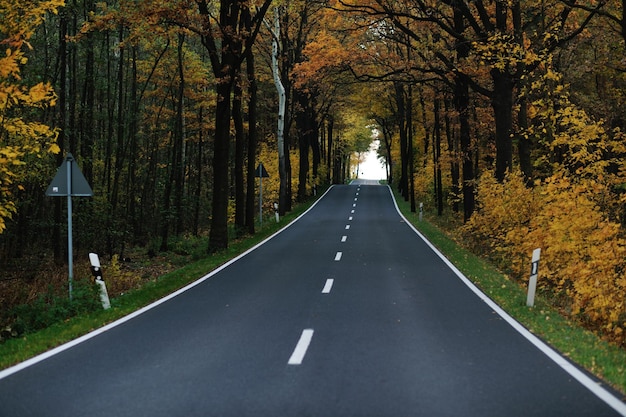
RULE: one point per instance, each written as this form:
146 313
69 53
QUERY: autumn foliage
20 137
572 214
509 116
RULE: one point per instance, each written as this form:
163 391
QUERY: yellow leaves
54 148
503 52
19 137
19 18
583 251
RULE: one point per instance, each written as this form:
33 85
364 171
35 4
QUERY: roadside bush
582 258
50 307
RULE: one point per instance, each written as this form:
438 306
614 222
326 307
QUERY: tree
226 42
22 136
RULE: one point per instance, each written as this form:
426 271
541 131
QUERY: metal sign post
69 182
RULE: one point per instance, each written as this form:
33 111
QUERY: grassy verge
581 346
17 350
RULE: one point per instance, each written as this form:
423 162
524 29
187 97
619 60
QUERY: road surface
347 312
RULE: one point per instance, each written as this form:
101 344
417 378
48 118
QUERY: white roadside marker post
532 283
96 271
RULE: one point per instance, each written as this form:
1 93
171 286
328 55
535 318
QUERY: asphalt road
348 312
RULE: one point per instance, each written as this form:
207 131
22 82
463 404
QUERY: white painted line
328 286
555 356
344 238
355 199
42 357
354 205
303 344
352 211
350 218
338 256
347 226
357 193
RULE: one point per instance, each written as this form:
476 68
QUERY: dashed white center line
303 344
355 199
338 256
347 226
352 211
354 205
328 286
350 218
344 238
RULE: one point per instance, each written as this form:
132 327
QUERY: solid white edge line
328 286
303 344
556 357
43 356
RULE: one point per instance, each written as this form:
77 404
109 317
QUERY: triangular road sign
260 172
78 184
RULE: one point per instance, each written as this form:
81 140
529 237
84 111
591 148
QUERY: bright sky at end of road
372 168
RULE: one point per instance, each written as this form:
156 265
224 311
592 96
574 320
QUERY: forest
504 117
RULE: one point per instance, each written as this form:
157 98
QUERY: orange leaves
325 56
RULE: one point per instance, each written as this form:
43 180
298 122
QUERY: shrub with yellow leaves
573 212
582 258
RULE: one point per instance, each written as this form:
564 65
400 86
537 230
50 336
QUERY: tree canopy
506 117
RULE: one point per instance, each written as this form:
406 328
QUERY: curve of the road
349 311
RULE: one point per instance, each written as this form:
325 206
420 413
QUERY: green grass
601 358
17 350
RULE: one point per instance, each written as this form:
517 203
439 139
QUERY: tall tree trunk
253 135
133 157
437 156
502 104
179 167
199 173
304 127
329 148
403 185
410 152
218 236
87 119
72 79
315 144
175 181
226 55
280 131
240 194
453 149
461 104
119 150
524 144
